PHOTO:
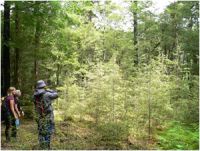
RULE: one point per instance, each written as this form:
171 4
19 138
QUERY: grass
26 139
73 134
179 136
69 135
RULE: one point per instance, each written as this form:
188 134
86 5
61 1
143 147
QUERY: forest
127 77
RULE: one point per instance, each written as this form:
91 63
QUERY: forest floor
69 135
76 134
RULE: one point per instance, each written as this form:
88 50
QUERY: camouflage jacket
47 96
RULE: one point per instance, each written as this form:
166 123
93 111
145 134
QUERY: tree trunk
16 70
174 36
113 101
57 75
36 42
36 51
135 33
149 100
5 66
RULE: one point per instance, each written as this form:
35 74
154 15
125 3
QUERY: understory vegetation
127 77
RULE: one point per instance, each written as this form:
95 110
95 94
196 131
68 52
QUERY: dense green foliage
135 87
179 136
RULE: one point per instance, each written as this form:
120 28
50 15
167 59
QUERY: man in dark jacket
44 113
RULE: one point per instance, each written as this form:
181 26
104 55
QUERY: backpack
41 105
3 108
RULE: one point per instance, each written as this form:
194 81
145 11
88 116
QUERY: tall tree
36 41
5 66
135 32
16 70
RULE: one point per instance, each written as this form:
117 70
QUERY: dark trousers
11 130
45 128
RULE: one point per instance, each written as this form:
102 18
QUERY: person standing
43 99
18 107
12 118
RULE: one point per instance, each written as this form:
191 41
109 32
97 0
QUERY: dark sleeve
53 95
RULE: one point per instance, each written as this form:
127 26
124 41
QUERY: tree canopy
136 87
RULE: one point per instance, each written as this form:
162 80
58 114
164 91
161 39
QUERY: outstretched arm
53 95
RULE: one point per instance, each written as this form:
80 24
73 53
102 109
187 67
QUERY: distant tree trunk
174 44
36 51
125 94
149 100
174 35
5 66
36 42
113 101
104 27
58 74
16 70
97 99
195 56
135 32
90 15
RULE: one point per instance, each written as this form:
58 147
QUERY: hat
41 84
